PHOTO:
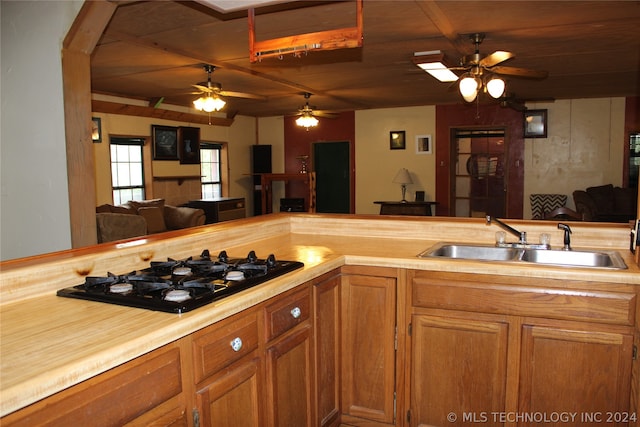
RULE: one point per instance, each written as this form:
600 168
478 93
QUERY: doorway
479 185
331 163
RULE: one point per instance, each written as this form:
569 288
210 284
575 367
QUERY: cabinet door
369 325
458 370
569 369
290 381
230 399
327 340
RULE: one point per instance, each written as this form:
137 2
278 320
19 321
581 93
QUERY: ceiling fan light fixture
435 63
307 121
495 87
209 103
469 86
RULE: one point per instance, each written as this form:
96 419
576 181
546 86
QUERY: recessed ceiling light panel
226 6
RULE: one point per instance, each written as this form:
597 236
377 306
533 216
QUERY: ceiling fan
479 70
210 93
477 63
308 114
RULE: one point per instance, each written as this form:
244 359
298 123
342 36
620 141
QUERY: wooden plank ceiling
156 49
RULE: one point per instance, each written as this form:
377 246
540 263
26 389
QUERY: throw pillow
603 197
153 203
124 209
155 219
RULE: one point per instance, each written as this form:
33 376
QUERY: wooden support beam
158 113
78 44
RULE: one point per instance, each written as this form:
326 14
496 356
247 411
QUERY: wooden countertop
50 343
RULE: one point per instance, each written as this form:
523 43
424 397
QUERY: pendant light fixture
209 103
306 120
495 86
471 84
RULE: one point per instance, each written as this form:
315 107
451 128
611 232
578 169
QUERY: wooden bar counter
51 343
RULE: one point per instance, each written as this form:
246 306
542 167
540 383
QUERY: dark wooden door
333 185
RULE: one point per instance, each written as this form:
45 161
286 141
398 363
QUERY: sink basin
468 251
602 259
576 258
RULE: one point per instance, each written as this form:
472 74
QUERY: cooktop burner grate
178 286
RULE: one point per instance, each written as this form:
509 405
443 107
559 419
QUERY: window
127 175
211 170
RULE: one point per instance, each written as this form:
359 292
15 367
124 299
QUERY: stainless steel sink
469 251
576 258
598 259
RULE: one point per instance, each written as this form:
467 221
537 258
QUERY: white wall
34 206
584 147
377 165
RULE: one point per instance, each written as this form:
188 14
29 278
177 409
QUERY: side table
406 208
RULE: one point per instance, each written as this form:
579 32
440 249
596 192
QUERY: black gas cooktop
178 286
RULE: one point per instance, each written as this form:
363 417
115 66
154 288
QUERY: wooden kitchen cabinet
459 362
227 368
368 345
327 330
119 396
289 360
568 367
494 349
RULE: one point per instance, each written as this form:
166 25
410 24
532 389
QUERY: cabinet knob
236 344
296 312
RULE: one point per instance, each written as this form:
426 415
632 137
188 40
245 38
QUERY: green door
331 164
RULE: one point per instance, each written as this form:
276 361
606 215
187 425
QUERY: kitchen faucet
522 235
567 236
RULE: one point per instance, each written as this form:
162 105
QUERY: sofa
606 203
141 217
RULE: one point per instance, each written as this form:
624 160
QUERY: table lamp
403 178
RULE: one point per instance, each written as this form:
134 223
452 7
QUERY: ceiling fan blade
242 95
514 105
520 72
495 58
325 114
204 89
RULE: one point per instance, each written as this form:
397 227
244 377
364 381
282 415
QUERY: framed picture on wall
396 140
189 145
96 129
423 144
535 124
165 142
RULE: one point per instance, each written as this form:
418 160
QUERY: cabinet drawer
490 294
143 387
287 312
223 343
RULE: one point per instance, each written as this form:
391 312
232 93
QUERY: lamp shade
469 88
209 103
307 121
495 87
403 177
